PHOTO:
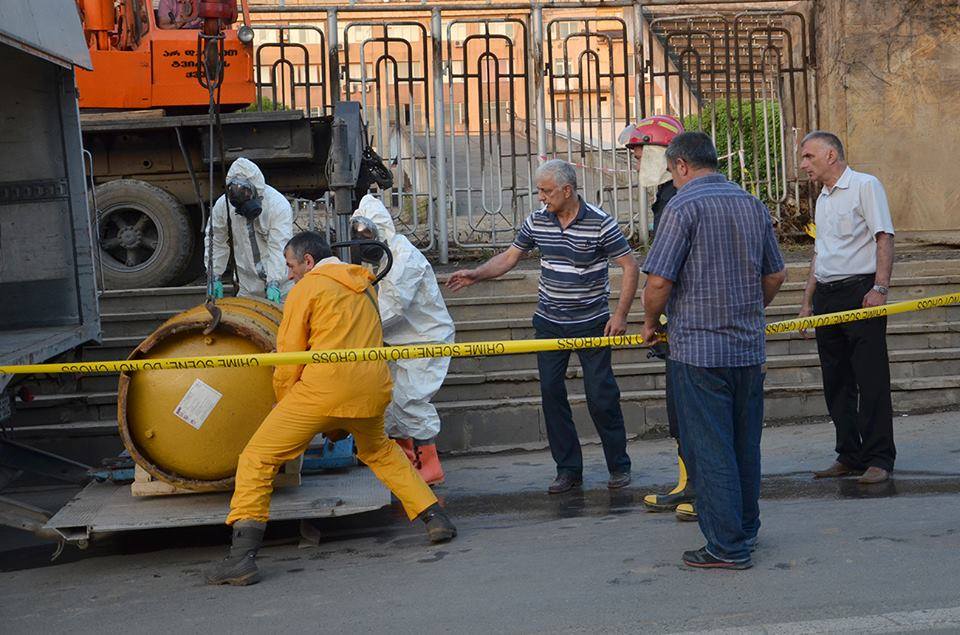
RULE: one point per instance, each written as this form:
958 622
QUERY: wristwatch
882 290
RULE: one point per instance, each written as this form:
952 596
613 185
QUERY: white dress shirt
849 216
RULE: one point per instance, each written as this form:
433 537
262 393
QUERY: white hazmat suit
413 312
272 228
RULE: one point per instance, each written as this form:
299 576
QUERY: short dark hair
695 148
308 242
828 138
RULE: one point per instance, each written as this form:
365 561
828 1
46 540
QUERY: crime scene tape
461 349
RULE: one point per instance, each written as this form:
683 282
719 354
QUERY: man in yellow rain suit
332 306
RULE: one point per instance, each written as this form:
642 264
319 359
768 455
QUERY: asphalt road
833 557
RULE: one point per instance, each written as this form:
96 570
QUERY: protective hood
653 166
247 169
353 277
371 207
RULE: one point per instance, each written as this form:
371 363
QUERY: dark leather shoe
837 470
874 475
701 559
564 483
618 480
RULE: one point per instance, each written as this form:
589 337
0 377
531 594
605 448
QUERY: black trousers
856 377
603 398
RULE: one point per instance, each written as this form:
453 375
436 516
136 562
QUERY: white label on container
197 404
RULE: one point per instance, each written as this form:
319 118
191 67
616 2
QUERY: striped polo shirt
574 283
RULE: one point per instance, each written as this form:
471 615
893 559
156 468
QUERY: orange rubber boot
407 446
428 464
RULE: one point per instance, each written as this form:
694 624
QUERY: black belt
852 281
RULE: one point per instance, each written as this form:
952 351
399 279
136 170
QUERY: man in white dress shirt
851 268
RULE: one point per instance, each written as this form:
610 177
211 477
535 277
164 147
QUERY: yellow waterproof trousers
286 433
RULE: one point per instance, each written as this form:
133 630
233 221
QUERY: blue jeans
603 398
722 414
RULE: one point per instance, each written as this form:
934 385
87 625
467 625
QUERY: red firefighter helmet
658 130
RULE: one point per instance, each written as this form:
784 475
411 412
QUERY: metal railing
464 108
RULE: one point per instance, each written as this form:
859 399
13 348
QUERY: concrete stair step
517 282
524 280
514 423
521 382
464 308
501 424
51 409
475 321
900 336
785 370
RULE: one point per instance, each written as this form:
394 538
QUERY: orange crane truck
144 120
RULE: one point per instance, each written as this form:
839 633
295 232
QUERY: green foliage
266 105
749 132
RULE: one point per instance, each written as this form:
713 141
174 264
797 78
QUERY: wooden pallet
144 484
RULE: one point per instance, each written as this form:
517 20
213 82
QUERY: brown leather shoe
874 475
837 470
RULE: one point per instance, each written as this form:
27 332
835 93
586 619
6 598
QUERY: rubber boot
239 568
686 512
682 493
428 462
407 446
439 527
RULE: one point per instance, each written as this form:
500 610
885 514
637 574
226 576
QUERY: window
501 28
458 33
561 108
559 67
357 34
265 75
456 71
566 28
406 32
266 36
459 113
304 35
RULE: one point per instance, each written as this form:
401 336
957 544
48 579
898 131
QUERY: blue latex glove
273 293
217 289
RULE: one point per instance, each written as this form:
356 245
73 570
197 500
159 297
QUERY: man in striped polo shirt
576 242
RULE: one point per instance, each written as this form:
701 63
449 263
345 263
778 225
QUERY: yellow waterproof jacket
334 306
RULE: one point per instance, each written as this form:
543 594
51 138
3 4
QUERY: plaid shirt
574 279
715 242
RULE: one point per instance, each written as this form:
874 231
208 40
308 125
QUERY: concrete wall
889 81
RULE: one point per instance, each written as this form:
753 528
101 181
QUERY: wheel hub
129 237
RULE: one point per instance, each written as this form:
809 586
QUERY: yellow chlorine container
187 427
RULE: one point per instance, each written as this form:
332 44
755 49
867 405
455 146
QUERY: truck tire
144 235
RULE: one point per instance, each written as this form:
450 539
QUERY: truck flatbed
107 507
158 120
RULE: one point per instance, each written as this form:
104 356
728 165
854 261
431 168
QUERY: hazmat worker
332 306
648 140
413 312
260 224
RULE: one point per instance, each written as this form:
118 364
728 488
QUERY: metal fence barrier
464 102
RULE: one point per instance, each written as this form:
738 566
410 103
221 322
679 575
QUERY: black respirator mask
243 197
362 228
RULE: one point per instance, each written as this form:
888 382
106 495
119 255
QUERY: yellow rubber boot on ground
686 512
682 493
